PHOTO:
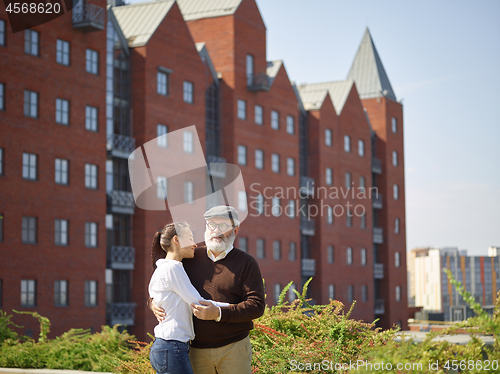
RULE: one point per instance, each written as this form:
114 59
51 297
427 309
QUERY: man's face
219 240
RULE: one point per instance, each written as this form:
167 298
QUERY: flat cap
222 211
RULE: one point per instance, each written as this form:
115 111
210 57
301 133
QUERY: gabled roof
313 95
196 9
272 70
205 57
139 21
369 73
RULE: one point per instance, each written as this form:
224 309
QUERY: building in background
144 70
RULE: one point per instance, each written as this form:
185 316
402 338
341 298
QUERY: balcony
376 166
379 306
121 202
308 267
88 17
120 145
377 200
378 235
121 257
306 187
378 271
258 82
121 313
307 226
216 166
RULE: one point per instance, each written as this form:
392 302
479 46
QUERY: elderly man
223 273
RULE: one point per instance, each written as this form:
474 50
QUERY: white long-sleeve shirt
172 290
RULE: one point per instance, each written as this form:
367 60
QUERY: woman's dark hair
163 240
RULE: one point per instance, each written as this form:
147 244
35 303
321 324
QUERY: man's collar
222 255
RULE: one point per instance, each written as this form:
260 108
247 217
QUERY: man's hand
157 311
206 311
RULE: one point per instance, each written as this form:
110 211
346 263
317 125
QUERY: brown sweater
236 280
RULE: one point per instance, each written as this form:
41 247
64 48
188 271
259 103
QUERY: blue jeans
170 357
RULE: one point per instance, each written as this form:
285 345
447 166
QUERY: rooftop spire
368 72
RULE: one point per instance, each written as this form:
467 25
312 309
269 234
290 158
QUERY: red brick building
164 66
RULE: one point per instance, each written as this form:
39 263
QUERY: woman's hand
206 310
157 311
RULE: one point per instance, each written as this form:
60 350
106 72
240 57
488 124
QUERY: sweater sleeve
253 304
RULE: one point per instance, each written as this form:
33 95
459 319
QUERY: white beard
221 246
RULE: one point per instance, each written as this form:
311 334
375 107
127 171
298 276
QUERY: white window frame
362 183
276 250
189 192
395 191
91 118
259 159
90 292
394 158
290 209
290 125
29 232
161 139
259 115
398 293
328 137
349 256
275 163
62 111
364 293
275 120
162 79
330 254
30 166
292 251
91 234
242 201
243 244
394 125
396 226
249 69
363 221
2 96
397 259
290 166
188 140
347 143
61 293
242 155
188 92
350 293
242 109
61 171
277 292
275 206
328 176
28 293
331 291
361 148
61 232
32 42
348 218
2 33
363 256
30 104
91 172
260 246
329 215
62 52
92 61
291 294
260 204
161 188
348 180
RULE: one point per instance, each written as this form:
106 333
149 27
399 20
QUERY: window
31 42
62 111
290 209
363 221
188 142
162 83
61 176
348 181
329 176
277 292
91 234
349 255
275 120
349 218
364 293
188 92
275 163
30 104
243 244
242 155
362 183
62 52
347 143
1 161
249 70
92 61
331 291
188 192
61 232
259 115
290 125
394 158
90 118
292 251
242 109
161 188
276 208
61 293
350 293
261 249
91 176
28 293
395 191
363 256
398 293
290 166
394 125
2 32
29 230
259 159
2 96
91 293
330 254
291 294
260 204
1 229
396 225
328 137
397 259
161 139
276 250
361 147
242 201
30 169
329 215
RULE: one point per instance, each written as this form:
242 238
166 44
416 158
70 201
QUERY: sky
443 61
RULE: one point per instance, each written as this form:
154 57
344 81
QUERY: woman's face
187 243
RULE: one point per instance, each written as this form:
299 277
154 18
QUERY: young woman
172 290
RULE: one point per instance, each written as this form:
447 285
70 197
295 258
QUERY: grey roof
299 98
205 57
196 9
139 21
272 70
118 30
368 72
313 95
